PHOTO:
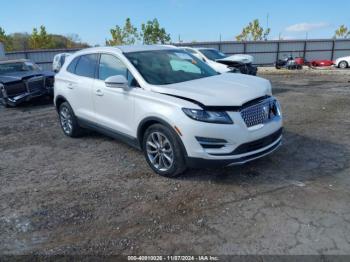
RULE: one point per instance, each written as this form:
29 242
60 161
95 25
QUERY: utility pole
267 20
267 23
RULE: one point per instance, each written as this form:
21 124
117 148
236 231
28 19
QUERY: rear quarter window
72 65
84 65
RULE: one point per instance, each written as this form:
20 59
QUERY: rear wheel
343 64
163 151
68 120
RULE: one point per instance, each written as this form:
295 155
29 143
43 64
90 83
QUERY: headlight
276 108
217 117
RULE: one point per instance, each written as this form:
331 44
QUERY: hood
218 67
246 59
18 76
222 90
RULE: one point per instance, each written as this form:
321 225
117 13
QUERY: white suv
170 104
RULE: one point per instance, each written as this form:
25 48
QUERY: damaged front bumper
33 89
25 96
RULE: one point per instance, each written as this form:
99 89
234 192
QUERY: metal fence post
333 46
278 51
304 51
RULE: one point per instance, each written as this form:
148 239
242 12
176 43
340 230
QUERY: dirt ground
95 195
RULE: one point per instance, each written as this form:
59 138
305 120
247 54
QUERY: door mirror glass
117 81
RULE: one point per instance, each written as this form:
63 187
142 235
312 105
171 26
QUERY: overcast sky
200 20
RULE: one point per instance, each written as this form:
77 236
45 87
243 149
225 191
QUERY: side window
86 65
72 65
111 66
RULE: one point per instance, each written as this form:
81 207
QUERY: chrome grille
35 84
259 113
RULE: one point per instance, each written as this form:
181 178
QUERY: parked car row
289 62
183 107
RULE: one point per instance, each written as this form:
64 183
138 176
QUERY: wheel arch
148 121
59 100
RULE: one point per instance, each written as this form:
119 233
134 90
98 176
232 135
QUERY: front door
114 107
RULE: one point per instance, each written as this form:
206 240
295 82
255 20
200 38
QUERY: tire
343 64
163 151
68 121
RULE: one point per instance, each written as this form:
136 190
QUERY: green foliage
342 32
40 40
253 31
6 40
153 34
123 36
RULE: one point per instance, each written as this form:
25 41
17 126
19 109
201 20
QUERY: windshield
164 67
212 54
17 67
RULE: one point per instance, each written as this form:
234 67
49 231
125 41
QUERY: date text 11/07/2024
173 258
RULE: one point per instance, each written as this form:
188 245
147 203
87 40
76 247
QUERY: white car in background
223 63
58 61
168 103
342 62
218 67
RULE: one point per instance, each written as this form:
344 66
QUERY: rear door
79 84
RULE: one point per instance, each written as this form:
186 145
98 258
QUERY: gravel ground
95 195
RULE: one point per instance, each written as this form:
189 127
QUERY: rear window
84 65
72 65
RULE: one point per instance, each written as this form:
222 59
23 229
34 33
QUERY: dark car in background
22 80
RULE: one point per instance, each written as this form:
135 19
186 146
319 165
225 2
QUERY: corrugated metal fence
267 52
43 58
264 52
2 52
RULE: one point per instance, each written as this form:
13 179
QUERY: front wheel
163 151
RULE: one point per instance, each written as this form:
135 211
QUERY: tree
40 39
127 35
253 31
6 40
153 34
20 41
342 32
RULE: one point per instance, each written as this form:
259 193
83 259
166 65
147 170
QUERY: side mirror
117 81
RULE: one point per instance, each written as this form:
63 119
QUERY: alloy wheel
66 120
159 151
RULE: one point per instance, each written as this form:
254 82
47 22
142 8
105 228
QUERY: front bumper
193 162
25 96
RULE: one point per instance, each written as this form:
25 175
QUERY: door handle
99 92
